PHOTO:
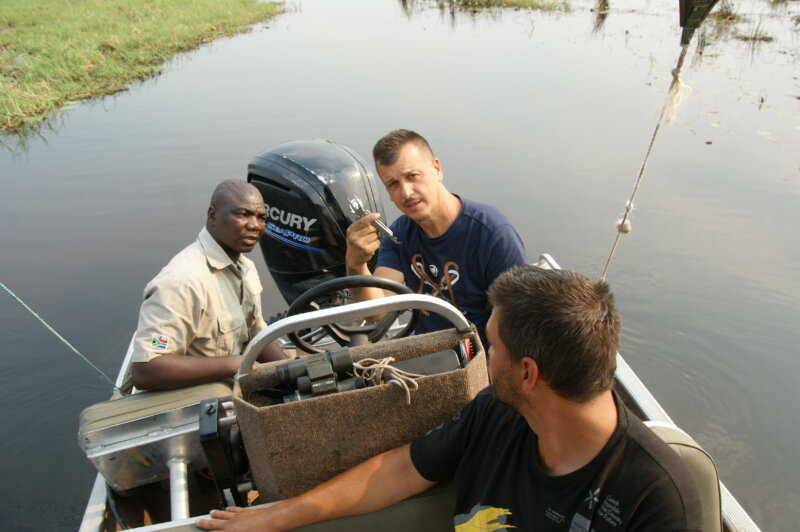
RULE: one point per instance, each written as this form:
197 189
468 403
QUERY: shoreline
53 53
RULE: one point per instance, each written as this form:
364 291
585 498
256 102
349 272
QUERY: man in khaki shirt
204 306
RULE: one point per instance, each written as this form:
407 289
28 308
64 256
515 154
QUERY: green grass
56 51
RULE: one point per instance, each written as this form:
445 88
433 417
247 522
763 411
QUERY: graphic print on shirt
609 511
440 283
482 518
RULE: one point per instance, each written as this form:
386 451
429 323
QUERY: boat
166 458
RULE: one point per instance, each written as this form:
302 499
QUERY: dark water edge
540 114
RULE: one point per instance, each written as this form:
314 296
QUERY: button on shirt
201 304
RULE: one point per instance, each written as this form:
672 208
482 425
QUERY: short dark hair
388 147
232 188
563 321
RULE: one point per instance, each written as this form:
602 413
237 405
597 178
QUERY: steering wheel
331 293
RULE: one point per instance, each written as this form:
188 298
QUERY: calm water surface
547 116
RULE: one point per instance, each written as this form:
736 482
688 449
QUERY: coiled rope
678 92
376 371
63 340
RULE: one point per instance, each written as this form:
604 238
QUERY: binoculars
318 374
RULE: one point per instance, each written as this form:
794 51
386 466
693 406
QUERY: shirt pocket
231 334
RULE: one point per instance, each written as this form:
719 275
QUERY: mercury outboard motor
307 187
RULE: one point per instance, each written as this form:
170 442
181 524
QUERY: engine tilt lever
357 208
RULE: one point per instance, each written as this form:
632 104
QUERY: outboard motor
307 187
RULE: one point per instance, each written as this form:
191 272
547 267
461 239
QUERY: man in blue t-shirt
451 248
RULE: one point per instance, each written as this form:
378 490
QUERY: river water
547 116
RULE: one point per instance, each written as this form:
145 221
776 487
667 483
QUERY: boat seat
131 439
702 467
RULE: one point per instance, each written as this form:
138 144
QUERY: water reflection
601 12
17 144
455 10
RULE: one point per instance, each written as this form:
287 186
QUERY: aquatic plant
755 35
601 12
724 14
544 5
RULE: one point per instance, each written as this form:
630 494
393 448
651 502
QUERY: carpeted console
295 446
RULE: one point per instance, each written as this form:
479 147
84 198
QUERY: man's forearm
177 371
272 352
379 482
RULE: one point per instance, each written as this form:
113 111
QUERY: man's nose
406 190
254 222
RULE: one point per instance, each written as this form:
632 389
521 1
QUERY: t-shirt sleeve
507 250
437 454
389 255
166 323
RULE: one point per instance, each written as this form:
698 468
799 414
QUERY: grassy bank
56 51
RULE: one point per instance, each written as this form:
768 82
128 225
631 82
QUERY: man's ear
438 166
530 373
212 214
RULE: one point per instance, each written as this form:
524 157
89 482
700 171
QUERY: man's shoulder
187 268
487 215
483 417
660 467
649 444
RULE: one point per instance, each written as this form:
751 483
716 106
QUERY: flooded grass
724 14
543 5
755 36
54 52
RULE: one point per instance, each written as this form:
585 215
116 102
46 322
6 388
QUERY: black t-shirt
636 482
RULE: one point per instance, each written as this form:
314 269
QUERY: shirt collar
215 255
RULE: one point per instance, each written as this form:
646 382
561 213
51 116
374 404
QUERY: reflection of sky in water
536 113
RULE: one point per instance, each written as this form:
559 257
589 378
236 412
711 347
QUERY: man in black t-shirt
547 447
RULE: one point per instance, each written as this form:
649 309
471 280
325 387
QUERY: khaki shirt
200 304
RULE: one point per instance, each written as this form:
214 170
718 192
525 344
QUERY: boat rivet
210 409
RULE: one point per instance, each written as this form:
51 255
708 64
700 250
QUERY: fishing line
692 14
63 340
678 92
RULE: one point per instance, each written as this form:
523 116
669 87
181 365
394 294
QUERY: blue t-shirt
457 266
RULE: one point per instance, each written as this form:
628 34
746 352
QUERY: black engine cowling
307 186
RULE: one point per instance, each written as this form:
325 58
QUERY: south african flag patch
159 342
